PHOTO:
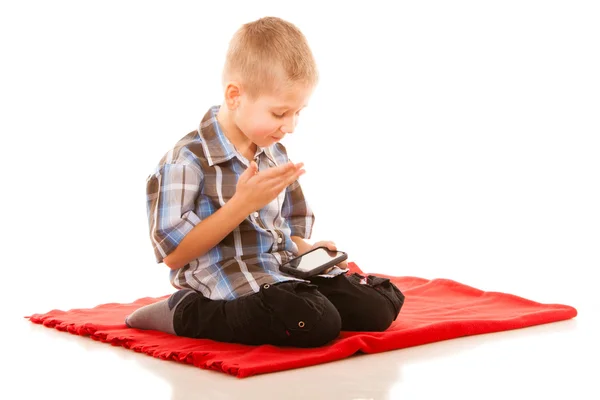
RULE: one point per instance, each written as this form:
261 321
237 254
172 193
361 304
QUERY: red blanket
434 310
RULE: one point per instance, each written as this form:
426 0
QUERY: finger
289 177
293 177
281 184
281 170
249 172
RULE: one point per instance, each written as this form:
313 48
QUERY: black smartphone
313 262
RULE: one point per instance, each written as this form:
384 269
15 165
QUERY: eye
277 115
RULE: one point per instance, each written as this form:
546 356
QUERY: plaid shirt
197 177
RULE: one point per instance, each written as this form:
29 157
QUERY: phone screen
314 259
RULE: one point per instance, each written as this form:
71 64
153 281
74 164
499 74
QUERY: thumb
249 172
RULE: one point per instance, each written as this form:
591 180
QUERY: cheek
262 126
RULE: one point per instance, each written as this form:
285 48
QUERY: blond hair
269 53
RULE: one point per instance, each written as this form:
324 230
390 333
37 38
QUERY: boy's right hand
257 189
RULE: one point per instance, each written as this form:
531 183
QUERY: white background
446 139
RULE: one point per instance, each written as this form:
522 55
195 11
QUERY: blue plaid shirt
196 178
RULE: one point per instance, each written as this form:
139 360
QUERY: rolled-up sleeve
171 198
297 212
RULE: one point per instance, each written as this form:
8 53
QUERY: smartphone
313 262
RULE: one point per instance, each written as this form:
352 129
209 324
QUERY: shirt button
279 240
256 214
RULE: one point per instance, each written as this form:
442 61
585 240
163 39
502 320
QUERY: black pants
293 313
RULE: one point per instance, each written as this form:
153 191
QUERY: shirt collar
217 146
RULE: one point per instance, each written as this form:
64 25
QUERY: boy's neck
240 141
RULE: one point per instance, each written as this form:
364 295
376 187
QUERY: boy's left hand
331 246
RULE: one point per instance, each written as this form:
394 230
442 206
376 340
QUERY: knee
326 326
307 317
382 317
376 314
315 326
382 304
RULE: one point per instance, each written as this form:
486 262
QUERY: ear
233 92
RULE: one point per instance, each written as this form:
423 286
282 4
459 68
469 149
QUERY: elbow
170 262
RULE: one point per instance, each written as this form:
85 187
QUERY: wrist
240 206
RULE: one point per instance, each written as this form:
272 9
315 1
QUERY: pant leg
283 314
365 303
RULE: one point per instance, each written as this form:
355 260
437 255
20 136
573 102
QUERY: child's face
268 118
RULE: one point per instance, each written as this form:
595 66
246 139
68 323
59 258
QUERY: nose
289 124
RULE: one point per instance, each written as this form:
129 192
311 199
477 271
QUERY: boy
226 209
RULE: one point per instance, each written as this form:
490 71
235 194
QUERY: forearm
303 245
208 233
